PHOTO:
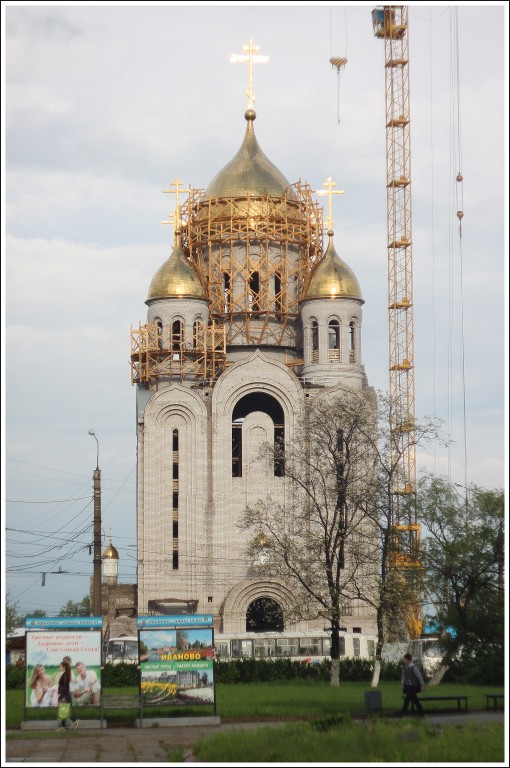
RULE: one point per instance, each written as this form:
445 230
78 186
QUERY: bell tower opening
264 615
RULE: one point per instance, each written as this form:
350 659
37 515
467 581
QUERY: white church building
253 312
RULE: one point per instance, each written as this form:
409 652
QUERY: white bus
309 647
122 649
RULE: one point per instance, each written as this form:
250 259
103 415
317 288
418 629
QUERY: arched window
352 341
159 330
278 302
226 291
197 334
315 341
177 332
258 401
264 615
334 341
254 295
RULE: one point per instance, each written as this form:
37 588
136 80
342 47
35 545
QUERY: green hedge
249 670
245 670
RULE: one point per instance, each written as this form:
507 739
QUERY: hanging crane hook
338 62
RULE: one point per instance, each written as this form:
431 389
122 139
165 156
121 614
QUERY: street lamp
93 434
97 607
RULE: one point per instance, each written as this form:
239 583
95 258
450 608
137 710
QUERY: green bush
119 675
14 676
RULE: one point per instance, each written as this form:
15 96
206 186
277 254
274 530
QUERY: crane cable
456 155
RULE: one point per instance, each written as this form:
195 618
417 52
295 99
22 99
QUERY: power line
50 501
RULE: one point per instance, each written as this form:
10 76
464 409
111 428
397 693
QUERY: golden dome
176 278
111 552
250 172
332 278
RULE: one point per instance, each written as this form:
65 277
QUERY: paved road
147 745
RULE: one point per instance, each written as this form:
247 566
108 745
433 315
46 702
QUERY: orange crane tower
390 23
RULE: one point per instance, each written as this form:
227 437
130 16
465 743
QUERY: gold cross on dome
175 215
329 191
252 58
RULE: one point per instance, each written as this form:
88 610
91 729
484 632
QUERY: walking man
412 684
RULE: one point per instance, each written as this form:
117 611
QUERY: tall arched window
315 341
352 341
177 332
258 401
334 341
159 330
197 334
175 499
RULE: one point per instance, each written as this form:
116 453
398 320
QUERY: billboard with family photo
46 650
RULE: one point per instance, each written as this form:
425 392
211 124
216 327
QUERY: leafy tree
76 609
37 613
12 618
463 556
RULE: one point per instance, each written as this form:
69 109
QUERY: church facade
252 313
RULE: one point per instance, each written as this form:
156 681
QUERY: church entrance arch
264 615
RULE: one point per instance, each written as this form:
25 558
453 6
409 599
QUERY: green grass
252 701
380 741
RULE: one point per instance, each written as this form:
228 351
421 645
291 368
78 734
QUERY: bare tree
331 540
322 542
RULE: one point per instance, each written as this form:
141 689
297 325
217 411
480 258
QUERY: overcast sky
105 105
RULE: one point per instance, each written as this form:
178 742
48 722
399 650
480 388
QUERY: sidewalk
151 745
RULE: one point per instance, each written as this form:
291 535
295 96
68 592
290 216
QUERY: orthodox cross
175 216
329 191
252 58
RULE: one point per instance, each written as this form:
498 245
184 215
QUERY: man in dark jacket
412 684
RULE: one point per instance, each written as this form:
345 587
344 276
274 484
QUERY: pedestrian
412 684
64 697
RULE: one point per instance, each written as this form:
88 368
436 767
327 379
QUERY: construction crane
390 24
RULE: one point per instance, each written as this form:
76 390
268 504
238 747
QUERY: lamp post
97 608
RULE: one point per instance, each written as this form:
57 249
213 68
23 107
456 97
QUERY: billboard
177 666
45 650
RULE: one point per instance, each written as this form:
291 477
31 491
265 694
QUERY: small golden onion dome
176 278
332 278
250 172
111 552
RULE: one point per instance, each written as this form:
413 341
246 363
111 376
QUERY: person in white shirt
85 686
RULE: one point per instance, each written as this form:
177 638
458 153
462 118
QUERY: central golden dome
250 172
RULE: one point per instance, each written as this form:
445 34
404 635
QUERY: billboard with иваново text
177 666
46 650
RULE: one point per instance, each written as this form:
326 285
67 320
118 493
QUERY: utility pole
97 607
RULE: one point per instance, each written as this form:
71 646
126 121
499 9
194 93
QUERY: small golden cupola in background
110 563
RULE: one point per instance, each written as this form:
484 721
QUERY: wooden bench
119 702
458 699
494 697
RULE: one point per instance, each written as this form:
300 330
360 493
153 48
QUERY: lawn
368 741
277 700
